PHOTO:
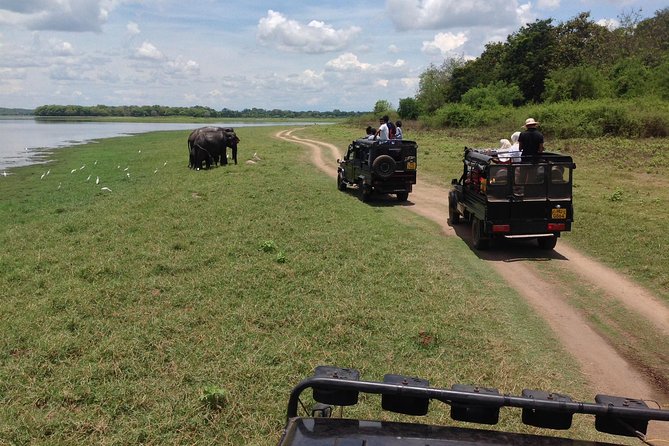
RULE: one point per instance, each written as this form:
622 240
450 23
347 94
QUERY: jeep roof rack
410 395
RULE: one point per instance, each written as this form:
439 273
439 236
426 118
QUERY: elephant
209 144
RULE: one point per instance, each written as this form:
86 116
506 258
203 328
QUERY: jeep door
357 158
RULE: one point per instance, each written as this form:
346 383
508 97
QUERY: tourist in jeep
383 134
531 141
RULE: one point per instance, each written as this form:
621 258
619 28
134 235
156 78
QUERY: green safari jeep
384 167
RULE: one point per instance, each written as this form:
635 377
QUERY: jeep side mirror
454 181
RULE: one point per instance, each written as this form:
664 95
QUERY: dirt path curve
607 371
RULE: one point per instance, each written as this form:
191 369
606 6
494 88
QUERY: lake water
22 140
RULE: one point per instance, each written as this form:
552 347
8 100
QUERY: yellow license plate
411 165
559 214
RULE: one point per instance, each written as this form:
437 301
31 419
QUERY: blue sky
297 55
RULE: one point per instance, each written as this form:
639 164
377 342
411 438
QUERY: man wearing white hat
531 141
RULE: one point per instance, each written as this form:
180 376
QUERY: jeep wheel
365 192
478 238
547 243
384 166
402 196
341 184
453 214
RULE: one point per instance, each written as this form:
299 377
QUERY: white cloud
148 51
410 82
183 67
548 4
61 48
437 14
611 24
132 28
444 43
12 73
290 35
348 62
57 15
67 73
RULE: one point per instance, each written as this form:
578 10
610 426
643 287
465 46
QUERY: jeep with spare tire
383 167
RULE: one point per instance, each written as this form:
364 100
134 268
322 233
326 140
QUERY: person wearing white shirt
382 132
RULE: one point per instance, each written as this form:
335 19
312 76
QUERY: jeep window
530 179
560 182
498 185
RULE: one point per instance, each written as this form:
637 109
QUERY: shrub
493 95
575 83
630 79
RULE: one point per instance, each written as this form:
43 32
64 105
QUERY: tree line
195 112
543 63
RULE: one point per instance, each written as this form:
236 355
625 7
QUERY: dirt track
607 371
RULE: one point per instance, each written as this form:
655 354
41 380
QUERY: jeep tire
453 214
341 184
402 196
479 241
365 192
384 166
547 243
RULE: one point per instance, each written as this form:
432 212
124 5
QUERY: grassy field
128 313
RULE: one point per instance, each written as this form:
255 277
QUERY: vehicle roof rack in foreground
410 395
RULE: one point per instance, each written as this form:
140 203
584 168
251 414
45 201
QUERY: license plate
559 214
411 165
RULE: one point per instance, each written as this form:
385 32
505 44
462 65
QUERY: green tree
528 58
484 70
574 84
382 106
580 41
660 80
493 95
408 108
434 85
629 78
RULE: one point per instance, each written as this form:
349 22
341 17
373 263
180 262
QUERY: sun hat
530 122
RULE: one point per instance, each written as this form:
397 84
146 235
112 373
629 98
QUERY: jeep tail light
501 228
552 227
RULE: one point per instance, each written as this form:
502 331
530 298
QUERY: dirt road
607 371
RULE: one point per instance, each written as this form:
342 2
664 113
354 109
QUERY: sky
282 54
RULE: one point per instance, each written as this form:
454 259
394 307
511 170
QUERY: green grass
182 306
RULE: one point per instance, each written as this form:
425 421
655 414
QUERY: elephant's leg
224 156
234 153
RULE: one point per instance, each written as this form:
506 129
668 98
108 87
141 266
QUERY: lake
22 140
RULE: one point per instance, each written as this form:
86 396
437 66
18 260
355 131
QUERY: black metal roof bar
453 396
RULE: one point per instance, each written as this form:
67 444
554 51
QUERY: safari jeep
323 422
385 167
524 198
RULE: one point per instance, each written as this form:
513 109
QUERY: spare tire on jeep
384 166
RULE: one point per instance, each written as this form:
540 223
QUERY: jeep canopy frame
411 396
